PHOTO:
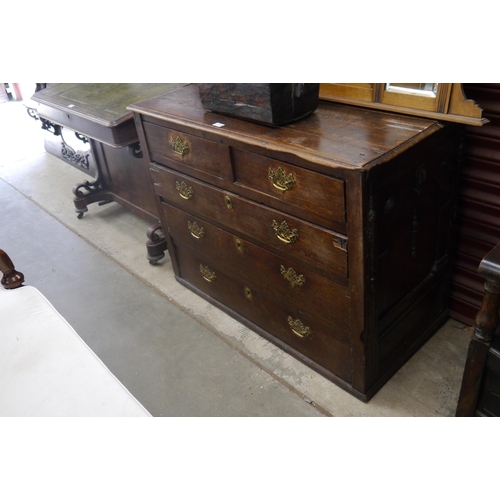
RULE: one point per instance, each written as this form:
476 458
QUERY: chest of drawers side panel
410 204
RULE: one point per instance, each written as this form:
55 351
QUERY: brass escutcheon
184 190
207 274
281 180
284 233
248 293
228 201
291 275
196 231
239 245
298 327
179 146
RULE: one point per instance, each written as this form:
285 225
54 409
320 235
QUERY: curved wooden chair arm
11 278
485 327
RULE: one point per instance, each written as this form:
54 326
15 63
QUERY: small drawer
286 235
310 195
286 281
328 346
194 152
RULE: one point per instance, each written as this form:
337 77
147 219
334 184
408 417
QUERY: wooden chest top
334 135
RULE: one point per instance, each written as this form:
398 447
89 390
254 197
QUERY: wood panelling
479 202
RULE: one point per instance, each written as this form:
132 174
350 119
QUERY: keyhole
239 245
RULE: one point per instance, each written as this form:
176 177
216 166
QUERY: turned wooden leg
11 278
486 324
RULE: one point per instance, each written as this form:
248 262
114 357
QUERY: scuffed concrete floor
427 385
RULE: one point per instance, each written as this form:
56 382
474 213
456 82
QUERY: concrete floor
177 354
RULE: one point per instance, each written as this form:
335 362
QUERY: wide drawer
119 135
292 238
328 346
310 195
207 156
286 281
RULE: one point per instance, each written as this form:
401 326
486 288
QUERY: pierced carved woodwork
33 113
79 158
82 137
53 128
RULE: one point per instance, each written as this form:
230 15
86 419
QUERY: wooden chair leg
11 278
487 322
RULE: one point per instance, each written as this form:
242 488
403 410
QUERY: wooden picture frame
448 102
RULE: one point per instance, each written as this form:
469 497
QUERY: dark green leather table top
97 110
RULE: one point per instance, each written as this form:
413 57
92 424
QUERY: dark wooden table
97 113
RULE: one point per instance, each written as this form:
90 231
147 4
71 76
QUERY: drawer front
289 236
310 195
330 347
165 144
284 280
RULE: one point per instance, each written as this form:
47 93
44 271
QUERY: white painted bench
46 369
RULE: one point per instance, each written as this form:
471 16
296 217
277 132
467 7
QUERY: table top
334 135
97 110
102 103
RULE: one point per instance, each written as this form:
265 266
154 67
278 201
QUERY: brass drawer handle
298 328
281 180
284 233
207 274
179 146
195 230
291 275
184 190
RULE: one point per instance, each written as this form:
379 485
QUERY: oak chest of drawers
331 237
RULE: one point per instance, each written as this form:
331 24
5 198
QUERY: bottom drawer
328 347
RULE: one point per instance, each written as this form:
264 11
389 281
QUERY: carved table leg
487 322
91 192
97 195
156 244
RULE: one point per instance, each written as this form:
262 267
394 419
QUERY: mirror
420 89
441 101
